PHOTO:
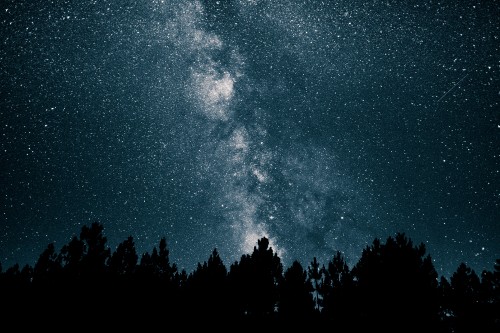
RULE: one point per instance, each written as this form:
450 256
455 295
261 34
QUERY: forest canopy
394 285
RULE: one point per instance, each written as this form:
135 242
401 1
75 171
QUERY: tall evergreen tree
315 275
47 268
338 291
71 257
123 261
465 297
97 251
157 276
296 298
207 288
397 285
254 282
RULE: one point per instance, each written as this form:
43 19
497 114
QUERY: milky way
320 125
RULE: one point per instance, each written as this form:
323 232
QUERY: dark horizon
394 285
318 125
112 249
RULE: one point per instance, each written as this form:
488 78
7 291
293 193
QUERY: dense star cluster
319 125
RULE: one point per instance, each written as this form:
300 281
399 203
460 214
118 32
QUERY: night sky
318 124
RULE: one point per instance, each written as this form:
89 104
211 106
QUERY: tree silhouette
397 286
268 270
123 261
122 286
465 289
296 300
207 288
71 257
97 253
157 265
157 276
494 299
445 303
393 287
15 289
339 292
47 268
315 274
488 303
254 282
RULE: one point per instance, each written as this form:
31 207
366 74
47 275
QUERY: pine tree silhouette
295 297
465 291
396 286
315 274
339 292
393 287
207 288
254 283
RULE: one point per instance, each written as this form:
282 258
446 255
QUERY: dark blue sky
320 125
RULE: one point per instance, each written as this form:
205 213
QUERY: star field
320 125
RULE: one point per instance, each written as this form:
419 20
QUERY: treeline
393 287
